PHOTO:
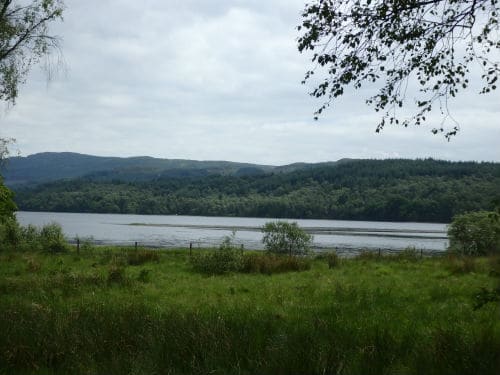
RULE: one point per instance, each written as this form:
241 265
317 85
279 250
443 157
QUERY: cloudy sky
212 80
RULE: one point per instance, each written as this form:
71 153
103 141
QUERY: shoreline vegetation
116 310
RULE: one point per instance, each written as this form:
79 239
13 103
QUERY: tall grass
368 317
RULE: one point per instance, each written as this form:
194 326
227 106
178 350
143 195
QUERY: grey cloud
212 80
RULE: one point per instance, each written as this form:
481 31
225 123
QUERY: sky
213 80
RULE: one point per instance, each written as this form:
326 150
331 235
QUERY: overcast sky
212 80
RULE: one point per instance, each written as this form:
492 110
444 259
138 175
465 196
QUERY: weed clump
332 259
138 257
460 264
144 276
116 275
269 264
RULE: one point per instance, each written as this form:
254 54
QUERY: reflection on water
179 231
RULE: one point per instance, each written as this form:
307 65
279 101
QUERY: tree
431 42
7 205
24 40
282 237
475 233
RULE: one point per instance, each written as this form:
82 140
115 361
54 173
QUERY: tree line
397 189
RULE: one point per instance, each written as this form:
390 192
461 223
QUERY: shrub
10 234
52 238
281 237
7 205
475 233
224 260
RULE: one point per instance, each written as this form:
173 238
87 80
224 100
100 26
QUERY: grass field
108 311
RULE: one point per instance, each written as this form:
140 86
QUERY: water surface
179 231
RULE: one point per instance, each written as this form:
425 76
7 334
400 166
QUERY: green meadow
117 311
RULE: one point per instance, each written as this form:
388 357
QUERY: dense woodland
399 190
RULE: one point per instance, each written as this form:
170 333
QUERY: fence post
421 253
379 252
135 245
78 246
190 248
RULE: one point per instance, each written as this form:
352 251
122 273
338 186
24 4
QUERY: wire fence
214 245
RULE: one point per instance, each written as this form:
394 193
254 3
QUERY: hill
394 190
52 166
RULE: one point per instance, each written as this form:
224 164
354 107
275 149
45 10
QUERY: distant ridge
51 166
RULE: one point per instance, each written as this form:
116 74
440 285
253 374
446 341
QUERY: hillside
394 190
52 166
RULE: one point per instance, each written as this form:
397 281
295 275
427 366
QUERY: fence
194 245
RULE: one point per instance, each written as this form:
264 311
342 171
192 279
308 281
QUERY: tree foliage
24 40
475 233
397 190
7 205
430 42
281 237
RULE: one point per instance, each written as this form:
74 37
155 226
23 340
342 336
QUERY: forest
389 190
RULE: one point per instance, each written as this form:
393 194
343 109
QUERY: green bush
52 239
10 234
475 233
224 260
7 205
281 237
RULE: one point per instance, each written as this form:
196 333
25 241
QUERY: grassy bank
106 312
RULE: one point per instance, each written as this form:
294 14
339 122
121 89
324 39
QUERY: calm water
179 231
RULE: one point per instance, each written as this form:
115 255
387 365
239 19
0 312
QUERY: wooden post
78 246
135 245
421 253
190 248
379 252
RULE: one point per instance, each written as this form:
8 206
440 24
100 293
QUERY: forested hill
400 190
52 166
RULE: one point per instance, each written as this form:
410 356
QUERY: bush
281 237
7 205
224 260
475 233
10 234
52 239
15 237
